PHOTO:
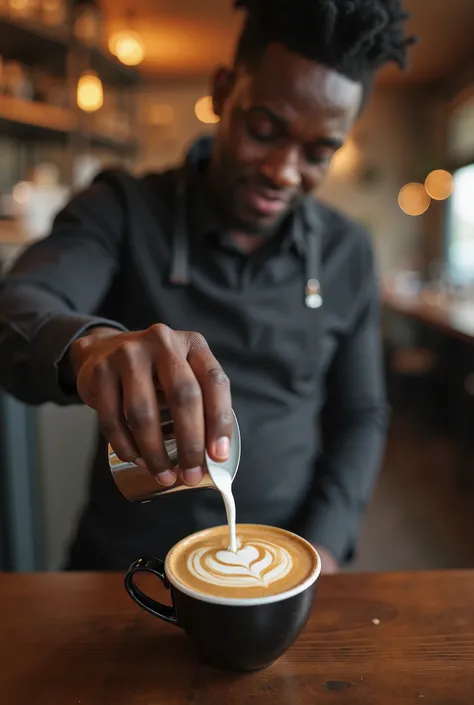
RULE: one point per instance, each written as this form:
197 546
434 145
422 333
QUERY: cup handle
156 567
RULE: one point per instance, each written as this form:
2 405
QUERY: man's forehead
282 76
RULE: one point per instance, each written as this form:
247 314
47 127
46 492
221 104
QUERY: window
461 226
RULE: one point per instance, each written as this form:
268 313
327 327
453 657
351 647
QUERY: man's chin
259 226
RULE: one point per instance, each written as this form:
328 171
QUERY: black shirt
306 383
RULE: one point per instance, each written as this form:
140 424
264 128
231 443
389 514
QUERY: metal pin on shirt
313 298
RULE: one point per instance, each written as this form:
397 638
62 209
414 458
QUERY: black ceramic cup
240 634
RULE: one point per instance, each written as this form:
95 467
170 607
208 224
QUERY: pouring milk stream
223 481
247 561
137 484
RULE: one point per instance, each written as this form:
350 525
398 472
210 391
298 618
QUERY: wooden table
386 639
454 318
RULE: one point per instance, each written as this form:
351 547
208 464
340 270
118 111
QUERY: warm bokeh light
90 92
439 184
23 7
21 192
54 12
413 199
128 47
204 110
86 25
160 114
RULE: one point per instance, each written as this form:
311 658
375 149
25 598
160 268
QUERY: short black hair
353 37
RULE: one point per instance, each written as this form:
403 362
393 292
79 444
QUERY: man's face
280 126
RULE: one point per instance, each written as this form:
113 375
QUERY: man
231 246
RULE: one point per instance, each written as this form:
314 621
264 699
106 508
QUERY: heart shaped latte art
245 557
256 564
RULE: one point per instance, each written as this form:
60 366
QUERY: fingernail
192 476
140 462
221 448
166 478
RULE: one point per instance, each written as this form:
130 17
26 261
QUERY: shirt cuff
51 344
333 527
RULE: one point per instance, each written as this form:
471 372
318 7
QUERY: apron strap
180 265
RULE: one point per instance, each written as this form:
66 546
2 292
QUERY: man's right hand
118 375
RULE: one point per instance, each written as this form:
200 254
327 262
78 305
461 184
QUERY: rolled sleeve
55 293
51 345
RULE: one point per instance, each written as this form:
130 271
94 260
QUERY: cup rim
249 601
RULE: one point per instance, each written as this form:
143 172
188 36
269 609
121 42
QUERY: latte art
268 561
258 563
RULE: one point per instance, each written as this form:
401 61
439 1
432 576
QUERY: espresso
269 561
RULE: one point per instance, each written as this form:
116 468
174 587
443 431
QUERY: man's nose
282 168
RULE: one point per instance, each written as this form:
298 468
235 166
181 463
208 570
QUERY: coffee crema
268 561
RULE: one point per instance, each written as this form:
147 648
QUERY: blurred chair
411 371
411 368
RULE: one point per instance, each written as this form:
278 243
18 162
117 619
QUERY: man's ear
223 83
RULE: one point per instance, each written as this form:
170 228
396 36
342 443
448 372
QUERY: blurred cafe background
89 84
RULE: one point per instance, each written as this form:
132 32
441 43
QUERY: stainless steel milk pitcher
137 484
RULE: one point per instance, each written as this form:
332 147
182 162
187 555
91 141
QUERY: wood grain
77 639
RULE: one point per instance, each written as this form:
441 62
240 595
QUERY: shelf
27 117
33 28
31 42
54 49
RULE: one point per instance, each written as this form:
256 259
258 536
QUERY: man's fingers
184 398
183 394
197 392
192 476
106 398
141 410
216 400
166 478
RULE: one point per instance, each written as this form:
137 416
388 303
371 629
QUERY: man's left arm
353 425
